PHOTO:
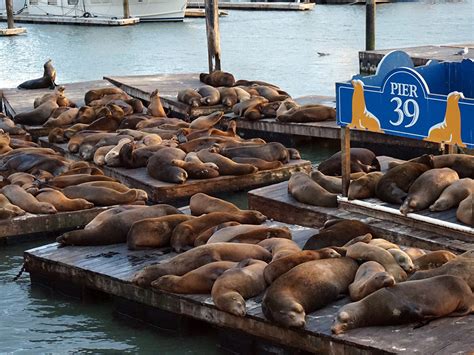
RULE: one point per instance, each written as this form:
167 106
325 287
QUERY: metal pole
9 8
126 9
213 35
345 159
370 25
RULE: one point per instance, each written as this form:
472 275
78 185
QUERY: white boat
146 10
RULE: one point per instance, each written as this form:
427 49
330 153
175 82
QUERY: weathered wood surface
368 60
159 191
109 269
275 202
17 101
141 86
44 223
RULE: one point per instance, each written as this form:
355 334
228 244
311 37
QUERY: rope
23 268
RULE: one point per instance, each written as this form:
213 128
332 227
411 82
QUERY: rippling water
280 47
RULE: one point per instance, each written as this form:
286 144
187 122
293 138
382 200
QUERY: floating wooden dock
260 6
106 270
73 20
276 203
19 228
12 31
16 101
368 60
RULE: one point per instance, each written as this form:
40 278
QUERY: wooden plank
276 203
109 269
74 20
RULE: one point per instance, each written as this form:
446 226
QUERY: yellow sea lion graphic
361 117
449 131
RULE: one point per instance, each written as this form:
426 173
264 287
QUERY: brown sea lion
394 185
72 180
202 143
199 256
8 126
56 135
278 267
240 108
97 94
308 113
86 115
136 158
61 202
71 131
115 227
37 116
126 108
190 97
370 277
89 170
159 166
247 233
384 244
46 81
112 158
403 259
4 143
110 122
306 288
100 153
26 201
185 234
85 136
100 196
155 108
361 160
329 183
463 164
465 212
9 210
401 303
433 259
413 253
338 233
210 95
154 232
364 187
198 281
226 165
280 247
453 194
117 186
107 99
103 216
271 94
242 95
427 188
196 171
260 164
229 96
305 190
368 252
217 78
272 151
237 284
203 237
208 121
64 119
365 238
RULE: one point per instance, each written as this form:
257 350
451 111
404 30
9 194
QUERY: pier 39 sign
397 101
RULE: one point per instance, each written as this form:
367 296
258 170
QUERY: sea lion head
145 277
46 207
235 304
328 253
141 195
283 232
359 189
343 321
383 279
195 102
291 316
166 283
408 206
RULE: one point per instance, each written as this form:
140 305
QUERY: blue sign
433 103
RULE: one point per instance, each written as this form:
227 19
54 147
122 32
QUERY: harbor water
279 47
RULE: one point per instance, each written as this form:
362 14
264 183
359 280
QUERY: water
279 47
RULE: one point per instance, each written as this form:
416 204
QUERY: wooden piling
9 10
370 25
345 159
126 9
213 35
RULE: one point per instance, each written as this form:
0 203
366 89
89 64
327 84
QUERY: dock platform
368 60
257 6
73 20
278 204
106 270
16 101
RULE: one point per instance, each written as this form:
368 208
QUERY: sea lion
368 252
280 247
427 188
217 78
260 164
308 113
240 108
454 194
58 92
242 95
100 196
110 121
247 233
46 81
370 277
132 158
26 201
86 115
229 96
117 186
329 183
433 259
198 281
9 210
294 153
112 158
115 227
403 259
237 284
271 94
103 216
203 237
190 97
89 170
155 108
64 119
199 256
159 166
37 116
154 232
365 238
364 187
71 131
361 160
278 267
465 213
306 288
100 153
107 99
272 151
338 233
56 135
226 165
72 180
184 234
401 303
4 143
463 164
395 183
196 171
413 253
208 121
97 94
61 202
303 189
8 126
210 95
384 244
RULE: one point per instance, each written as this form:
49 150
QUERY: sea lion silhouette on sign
449 131
361 117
